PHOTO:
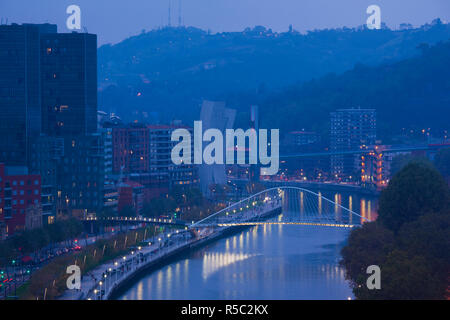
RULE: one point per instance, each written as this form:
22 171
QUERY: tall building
351 129
20 89
48 102
69 83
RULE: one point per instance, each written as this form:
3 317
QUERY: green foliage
402 160
31 240
127 211
367 246
416 190
180 197
410 242
405 276
53 276
428 236
159 206
106 212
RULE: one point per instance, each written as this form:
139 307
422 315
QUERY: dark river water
263 262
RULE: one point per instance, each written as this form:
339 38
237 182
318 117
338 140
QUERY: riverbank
108 279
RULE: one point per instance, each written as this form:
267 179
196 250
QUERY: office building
69 83
20 95
351 130
48 102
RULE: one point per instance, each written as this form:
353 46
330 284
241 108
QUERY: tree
106 212
402 160
408 276
159 206
415 190
429 236
127 211
366 246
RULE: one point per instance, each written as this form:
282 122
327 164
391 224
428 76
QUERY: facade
19 192
131 149
81 175
20 83
162 169
107 136
110 198
69 83
214 115
376 165
46 152
48 102
33 217
351 130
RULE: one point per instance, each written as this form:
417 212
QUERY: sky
115 20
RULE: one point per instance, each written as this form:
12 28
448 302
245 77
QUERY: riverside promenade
102 282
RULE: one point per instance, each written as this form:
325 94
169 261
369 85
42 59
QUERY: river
262 262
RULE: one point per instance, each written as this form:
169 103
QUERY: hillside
413 93
167 72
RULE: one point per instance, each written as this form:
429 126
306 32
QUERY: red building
131 195
19 191
131 149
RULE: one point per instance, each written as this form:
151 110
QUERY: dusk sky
115 20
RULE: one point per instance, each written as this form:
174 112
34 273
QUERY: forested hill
169 71
413 93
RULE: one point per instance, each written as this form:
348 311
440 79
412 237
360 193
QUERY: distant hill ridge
168 72
413 93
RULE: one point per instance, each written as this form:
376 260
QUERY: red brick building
131 149
18 192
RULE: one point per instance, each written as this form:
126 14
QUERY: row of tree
30 241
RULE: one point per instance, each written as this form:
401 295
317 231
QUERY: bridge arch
304 207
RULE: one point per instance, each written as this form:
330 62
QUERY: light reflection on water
263 262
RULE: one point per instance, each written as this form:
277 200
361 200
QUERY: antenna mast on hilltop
170 7
179 13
